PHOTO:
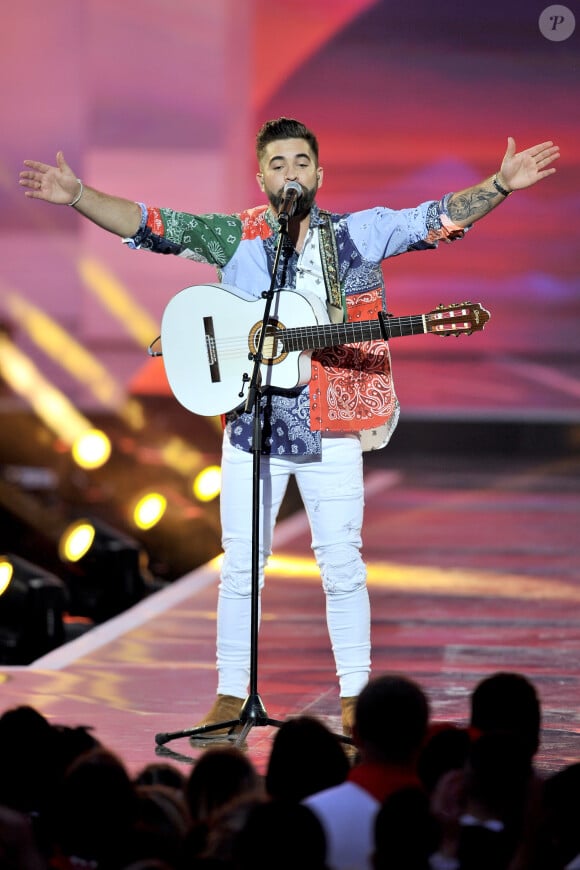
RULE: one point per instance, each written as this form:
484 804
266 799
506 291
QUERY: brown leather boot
225 709
348 706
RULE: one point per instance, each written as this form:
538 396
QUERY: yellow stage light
6 572
207 484
149 510
91 449
76 541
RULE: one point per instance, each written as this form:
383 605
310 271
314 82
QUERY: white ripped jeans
331 486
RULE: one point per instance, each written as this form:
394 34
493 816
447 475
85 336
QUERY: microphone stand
253 712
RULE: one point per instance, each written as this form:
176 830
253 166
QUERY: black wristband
499 188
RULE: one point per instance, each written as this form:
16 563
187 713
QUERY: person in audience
162 824
554 843
391 717
305 758
488 808
406 833
221 775
28 788
94 814
508 702
446 748
284 835
161 773
26 734
497 779
19 849
223 830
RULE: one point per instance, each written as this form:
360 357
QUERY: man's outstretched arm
59 184
518 171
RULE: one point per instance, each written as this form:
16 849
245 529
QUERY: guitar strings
319 336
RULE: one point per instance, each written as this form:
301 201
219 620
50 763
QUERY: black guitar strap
335 301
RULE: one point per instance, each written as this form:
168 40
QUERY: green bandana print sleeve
209 238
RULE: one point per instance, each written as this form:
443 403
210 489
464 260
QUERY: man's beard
303 203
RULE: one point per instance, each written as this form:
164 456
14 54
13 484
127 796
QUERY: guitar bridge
210 346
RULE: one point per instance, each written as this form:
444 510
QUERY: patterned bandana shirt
351 387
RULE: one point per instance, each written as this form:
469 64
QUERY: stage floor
474 567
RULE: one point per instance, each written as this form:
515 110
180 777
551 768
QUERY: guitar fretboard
332 334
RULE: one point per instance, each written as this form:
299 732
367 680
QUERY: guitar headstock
461 318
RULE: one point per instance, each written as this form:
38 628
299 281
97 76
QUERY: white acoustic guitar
210 334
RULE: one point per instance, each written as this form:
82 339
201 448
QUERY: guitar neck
332 334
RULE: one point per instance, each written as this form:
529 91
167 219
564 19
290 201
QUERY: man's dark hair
507 702
284 128
392 713
305 758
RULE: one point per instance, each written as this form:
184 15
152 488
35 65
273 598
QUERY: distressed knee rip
343 577
236 573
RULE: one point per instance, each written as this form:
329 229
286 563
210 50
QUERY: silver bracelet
79 194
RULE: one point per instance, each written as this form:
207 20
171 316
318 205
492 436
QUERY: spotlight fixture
32 604
107 570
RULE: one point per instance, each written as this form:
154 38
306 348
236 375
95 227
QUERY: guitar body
207 334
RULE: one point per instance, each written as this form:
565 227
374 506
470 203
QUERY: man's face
289 160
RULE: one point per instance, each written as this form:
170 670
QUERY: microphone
292 191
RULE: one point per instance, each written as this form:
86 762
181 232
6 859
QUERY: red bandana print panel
254 223
351 388
155 221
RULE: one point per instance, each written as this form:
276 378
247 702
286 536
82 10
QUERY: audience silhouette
223 775
419 796
390 724
405 832
507 702
281 834
94 813
305 758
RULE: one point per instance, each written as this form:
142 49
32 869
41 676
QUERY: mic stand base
252 715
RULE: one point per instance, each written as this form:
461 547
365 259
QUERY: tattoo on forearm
472 204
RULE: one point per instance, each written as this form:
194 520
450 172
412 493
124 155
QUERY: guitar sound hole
273 349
